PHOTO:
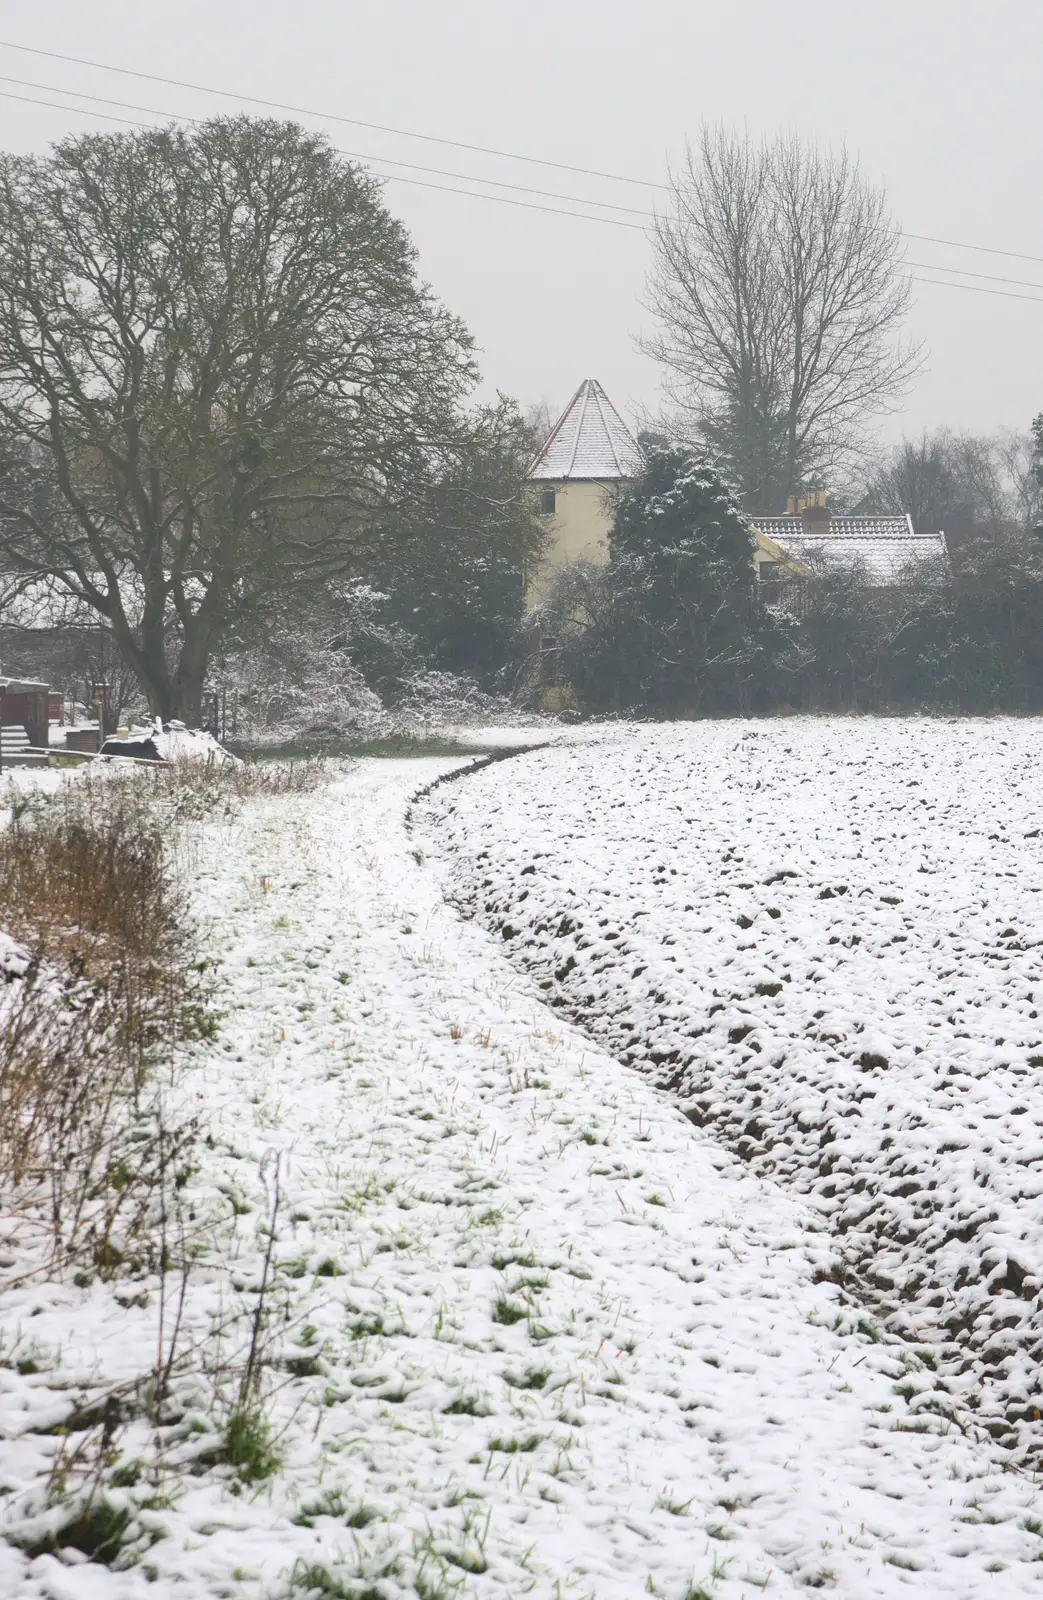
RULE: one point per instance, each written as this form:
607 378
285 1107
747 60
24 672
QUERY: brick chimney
814 513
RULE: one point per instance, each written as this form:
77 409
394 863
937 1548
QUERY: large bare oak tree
779 295
216 364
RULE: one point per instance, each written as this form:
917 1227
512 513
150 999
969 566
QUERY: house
589 458
885 546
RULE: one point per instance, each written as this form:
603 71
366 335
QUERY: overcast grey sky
940 99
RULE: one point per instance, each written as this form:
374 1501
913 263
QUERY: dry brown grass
110 985
87 873
259 778
246 780
108 981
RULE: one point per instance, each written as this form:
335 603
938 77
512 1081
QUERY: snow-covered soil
532 1332
826 937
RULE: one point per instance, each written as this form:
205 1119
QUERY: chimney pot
815 514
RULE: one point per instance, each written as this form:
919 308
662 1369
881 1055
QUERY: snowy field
536 1332
825 936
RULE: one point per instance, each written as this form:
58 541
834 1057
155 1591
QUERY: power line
393 177
456 144
441 172
985 249
973 288
84 111
989 277
475 194
354 155
505 200
328 116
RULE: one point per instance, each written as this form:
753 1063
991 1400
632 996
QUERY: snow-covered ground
825 936
533 1332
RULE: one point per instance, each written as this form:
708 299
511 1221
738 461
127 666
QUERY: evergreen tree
454 555
685 633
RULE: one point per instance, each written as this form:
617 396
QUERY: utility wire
430 138
328 116
505 200
441 172
85 111
354 155
988 277
475 194
956 244
393 177
974 288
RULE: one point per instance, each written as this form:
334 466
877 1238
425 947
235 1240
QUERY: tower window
548 502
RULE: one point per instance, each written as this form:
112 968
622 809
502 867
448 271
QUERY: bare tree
1019 455
972 487
779 295
215 360
539 418
946 482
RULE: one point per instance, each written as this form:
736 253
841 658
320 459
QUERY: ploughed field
826 937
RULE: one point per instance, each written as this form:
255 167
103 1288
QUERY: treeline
677 625
229 402
255 457
963 636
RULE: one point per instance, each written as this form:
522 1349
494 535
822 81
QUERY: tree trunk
188 698
190 677
147 660
155 680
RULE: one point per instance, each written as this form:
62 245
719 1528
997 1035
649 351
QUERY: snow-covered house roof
589 442
884 544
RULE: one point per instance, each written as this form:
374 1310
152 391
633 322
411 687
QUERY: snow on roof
885 544
589 441
174 742
22 685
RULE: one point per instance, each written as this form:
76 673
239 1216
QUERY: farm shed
26 703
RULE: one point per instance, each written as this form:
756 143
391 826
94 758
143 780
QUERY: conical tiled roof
589 441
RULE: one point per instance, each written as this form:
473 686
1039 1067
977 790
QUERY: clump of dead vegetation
191 789
101 982
100 985
257 779
86 872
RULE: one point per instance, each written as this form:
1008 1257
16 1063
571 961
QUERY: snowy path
543 1336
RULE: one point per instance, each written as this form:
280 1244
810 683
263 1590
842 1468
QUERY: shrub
100 974
671 626
195 788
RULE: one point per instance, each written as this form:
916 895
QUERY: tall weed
101 977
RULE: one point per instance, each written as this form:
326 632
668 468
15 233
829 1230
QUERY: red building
26 704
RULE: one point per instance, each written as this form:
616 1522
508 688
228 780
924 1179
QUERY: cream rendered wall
578 529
